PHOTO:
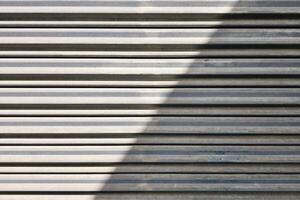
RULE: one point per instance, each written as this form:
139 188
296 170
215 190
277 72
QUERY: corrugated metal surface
149 99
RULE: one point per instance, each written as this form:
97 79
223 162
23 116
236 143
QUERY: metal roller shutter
149 99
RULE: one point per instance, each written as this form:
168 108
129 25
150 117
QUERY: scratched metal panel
149 99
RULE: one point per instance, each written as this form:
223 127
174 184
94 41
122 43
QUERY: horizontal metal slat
158 140
135 168
148 125
186 96
149 36
150 154
150 67
144 110
153 82
159 196
153 6
160 182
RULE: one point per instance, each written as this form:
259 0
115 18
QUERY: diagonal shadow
147 126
